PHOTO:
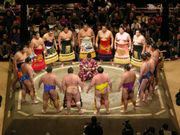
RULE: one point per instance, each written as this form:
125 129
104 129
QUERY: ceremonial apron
136 57
104 52
67 52
86 48
38 61
122 54
51 55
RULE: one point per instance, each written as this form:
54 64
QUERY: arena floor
155 112
115 74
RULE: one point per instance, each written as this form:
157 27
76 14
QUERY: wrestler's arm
91 84
97 39
79 40
73 41
121 83
63 84
112 40
144 44
110 83
115 40
59 40
30 73
93 35
40 82
55 44
141 73
129 39
15 62
132 45
80 83
58 84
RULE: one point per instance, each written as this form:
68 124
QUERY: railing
10 101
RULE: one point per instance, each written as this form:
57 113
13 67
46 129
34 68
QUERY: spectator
93 128
15 25
135 25
91 20
115 22
5 51
57 24
143 20
130 18
147 36
176 45
43 31
15 42
8 20
56 32
5 37
149 131
119 14
36 18
158 19
102 17
127 10
51 10
74 20
2 31
156 35
111 9
127 130
86 14
2 20
51 19
63 21
165 49
42 25
165 130
31 31
64 12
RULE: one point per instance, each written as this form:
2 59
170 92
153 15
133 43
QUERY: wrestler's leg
105 96
142 89
54 96
98 103
62 64
29 86
45 101
69 99
157 77
78 103
112 62
14 80
23 93
151 90
125 97
132 97
101 62
147 91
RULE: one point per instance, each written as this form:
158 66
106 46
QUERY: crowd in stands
95 15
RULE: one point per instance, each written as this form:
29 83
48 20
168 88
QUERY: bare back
100 79
49 79
129 76
71 80
27 69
